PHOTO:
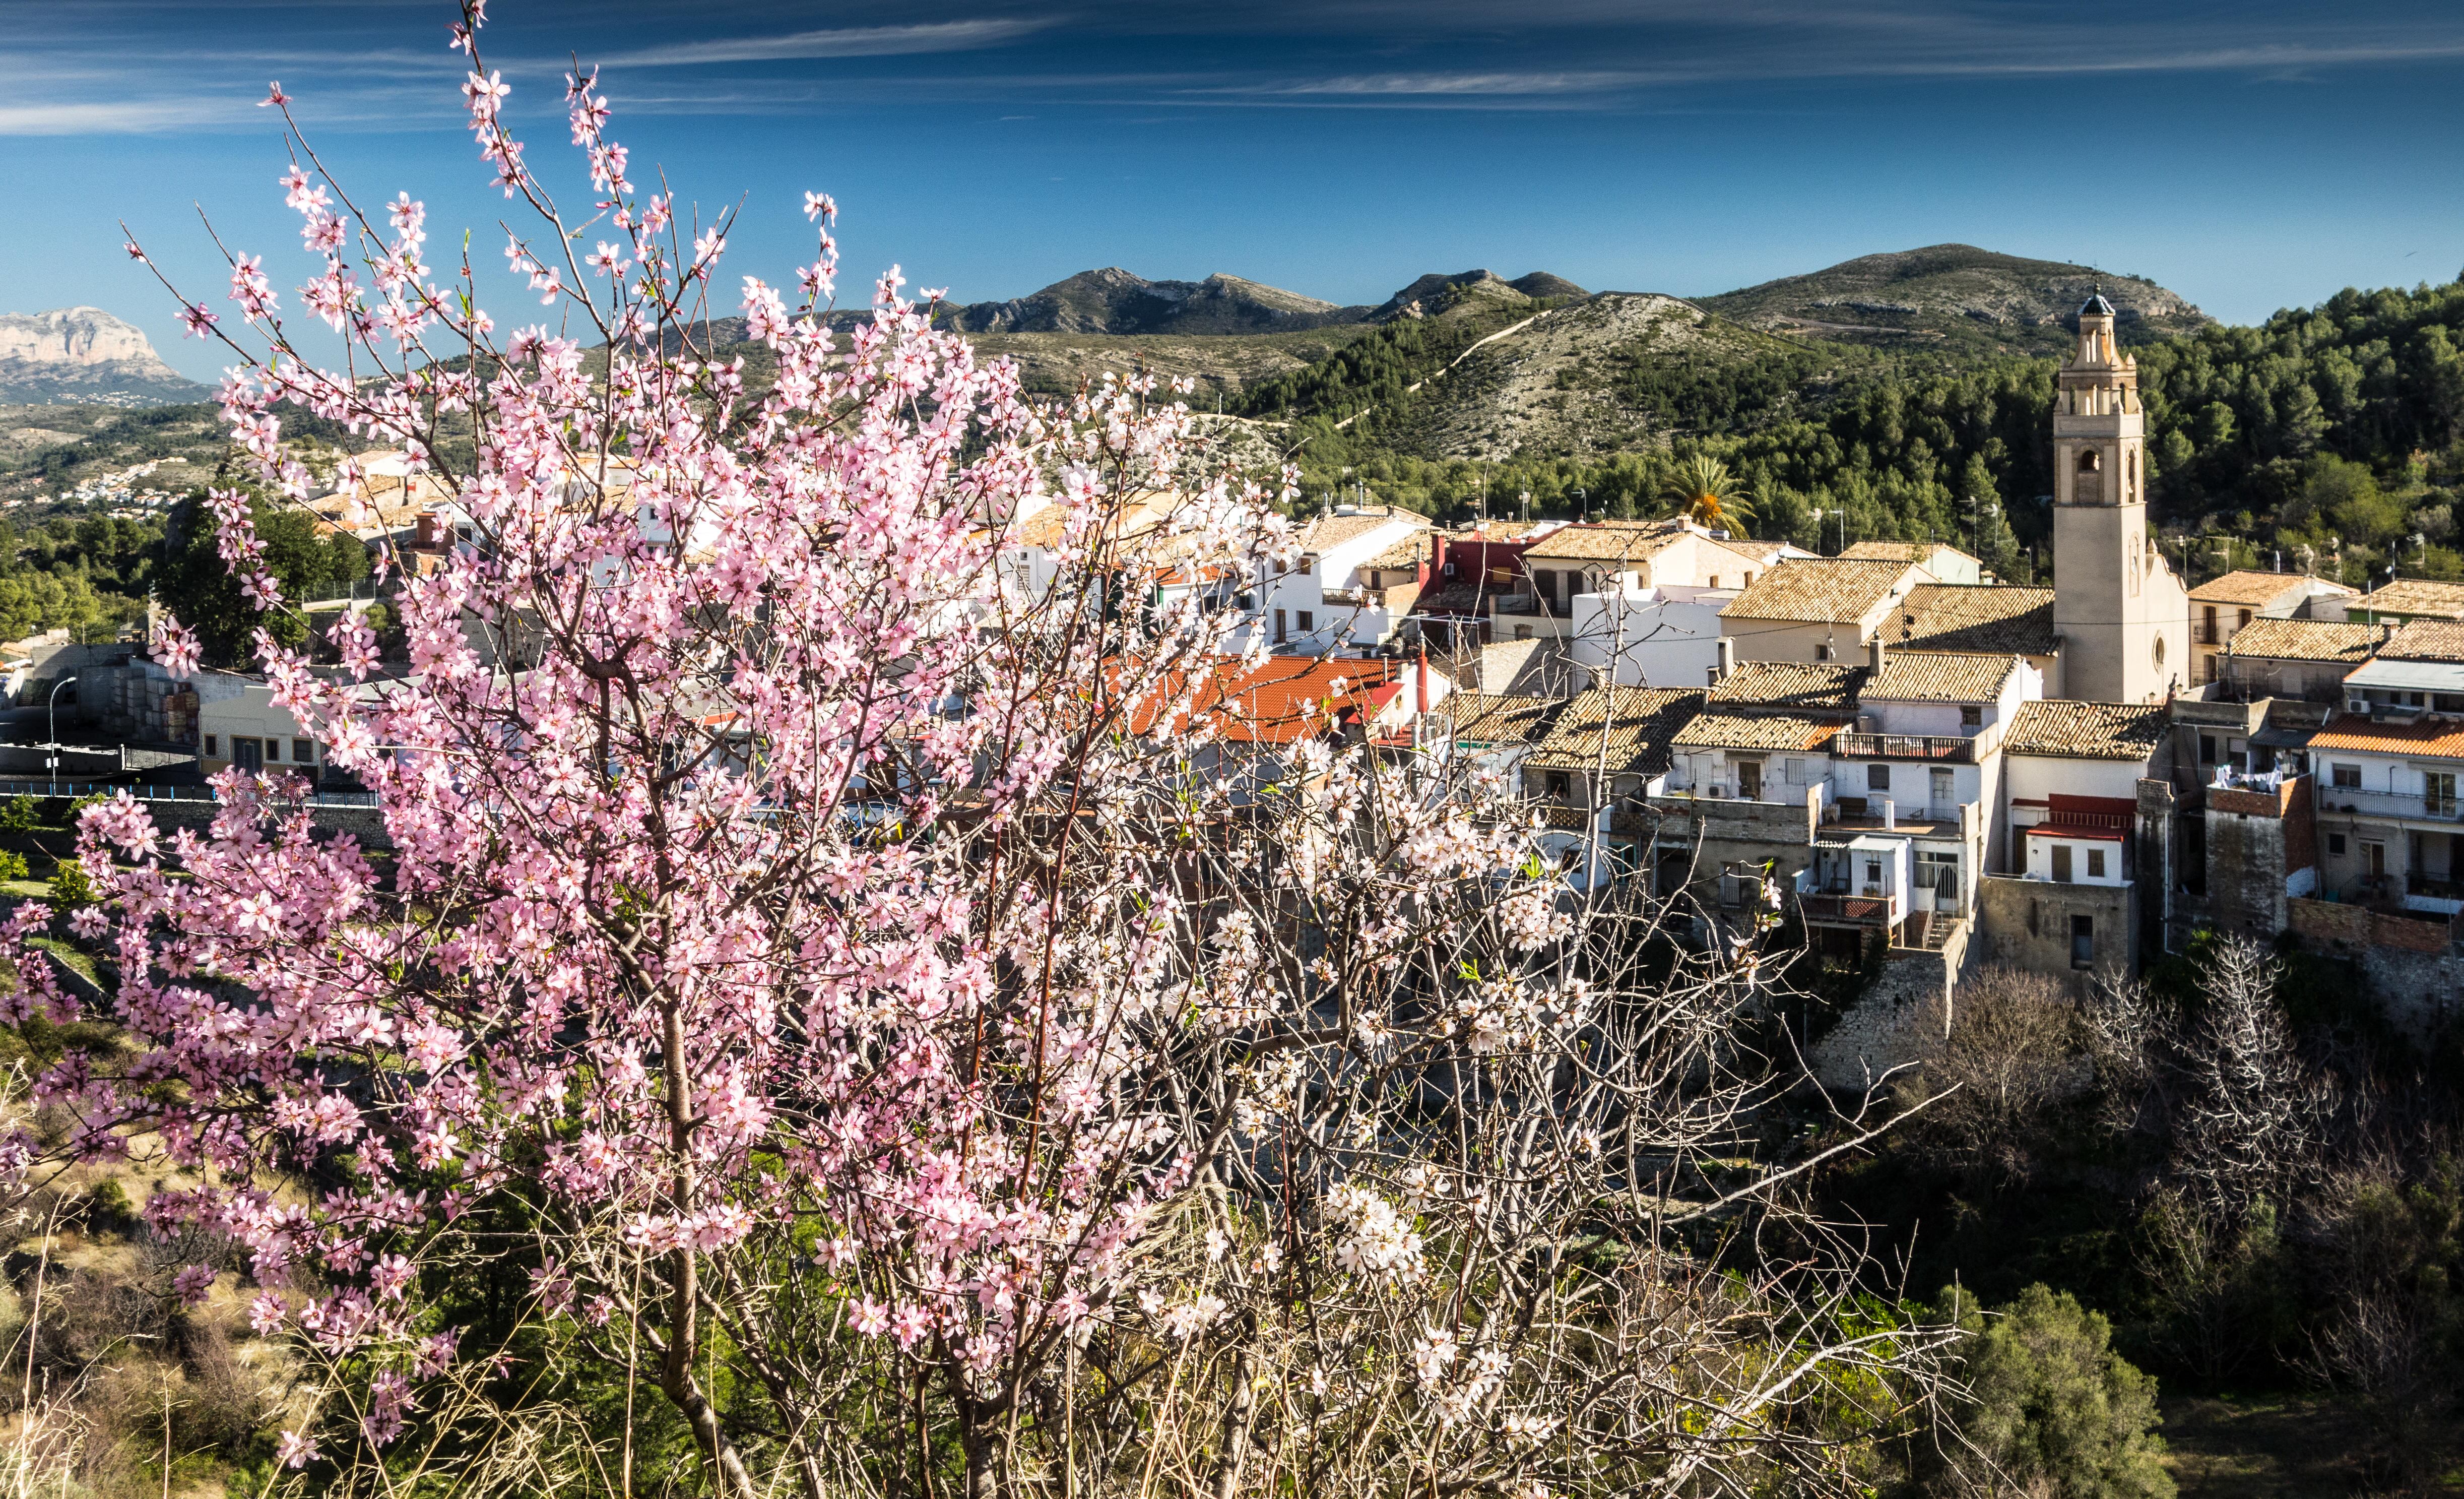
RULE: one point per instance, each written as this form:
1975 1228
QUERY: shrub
13 865
69 886
17 815
2052 1408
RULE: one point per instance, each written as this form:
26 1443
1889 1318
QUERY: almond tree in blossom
895 1013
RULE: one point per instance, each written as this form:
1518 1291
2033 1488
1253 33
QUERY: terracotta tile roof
2086 731
2247 586
1281 701
1941 677
1608 541
1793 686
2421 640
1919 552
1833 588
2441 738
1978 619
2308 640
2416 596
1628 729
1409 552
1498 719
1327 531
1755 731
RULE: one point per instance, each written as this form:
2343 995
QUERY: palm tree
1703 492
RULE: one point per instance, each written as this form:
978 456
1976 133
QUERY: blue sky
2251 156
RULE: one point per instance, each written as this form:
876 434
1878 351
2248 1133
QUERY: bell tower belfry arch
2123 615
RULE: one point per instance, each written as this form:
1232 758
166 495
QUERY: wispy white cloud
855 41
120 117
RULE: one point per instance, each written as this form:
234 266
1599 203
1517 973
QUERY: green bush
69 886
13 865
107 1208
2052 1409
17 815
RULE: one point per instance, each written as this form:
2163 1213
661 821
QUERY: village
1926 769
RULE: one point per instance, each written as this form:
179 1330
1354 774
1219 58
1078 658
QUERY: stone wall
2407 962
1905 1014
2421 993
2256 841
2155 860
2027 924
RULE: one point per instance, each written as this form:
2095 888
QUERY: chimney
1877 653
1727 661
1420 681
1890 814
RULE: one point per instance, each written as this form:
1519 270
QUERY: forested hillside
2333 428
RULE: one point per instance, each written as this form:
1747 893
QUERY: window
2438 793
2159 652
2245 620
1750 781
2096 864
1561 786
1823 651
303 751
1878 778
2336 845
1308 622
212 752
1280 631
2082 941
2089 461
2207 749
1715 580
1971 716
1874 875
2061 864
2347 776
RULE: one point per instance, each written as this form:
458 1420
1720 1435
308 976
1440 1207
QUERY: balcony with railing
1516 603
2433 807
1951 749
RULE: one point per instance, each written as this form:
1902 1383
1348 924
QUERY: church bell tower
2122 616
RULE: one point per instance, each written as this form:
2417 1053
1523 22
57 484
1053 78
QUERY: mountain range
1536 363
84 356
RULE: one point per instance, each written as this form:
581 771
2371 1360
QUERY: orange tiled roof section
1282 701
2311 640
1978 619
1941 677
2416 596
1774 730
2423 640
2086 731
2441 738
1831 588
1625 730
1789 685
2246 587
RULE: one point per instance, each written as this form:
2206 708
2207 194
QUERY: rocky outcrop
84 355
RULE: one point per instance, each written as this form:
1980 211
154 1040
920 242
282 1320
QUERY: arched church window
2090 461
2133 471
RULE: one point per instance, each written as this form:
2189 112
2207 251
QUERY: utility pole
52 750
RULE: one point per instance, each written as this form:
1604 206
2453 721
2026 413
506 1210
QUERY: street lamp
52 750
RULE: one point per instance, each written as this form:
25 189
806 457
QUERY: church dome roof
2095 306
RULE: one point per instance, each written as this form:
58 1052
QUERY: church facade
2123 615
